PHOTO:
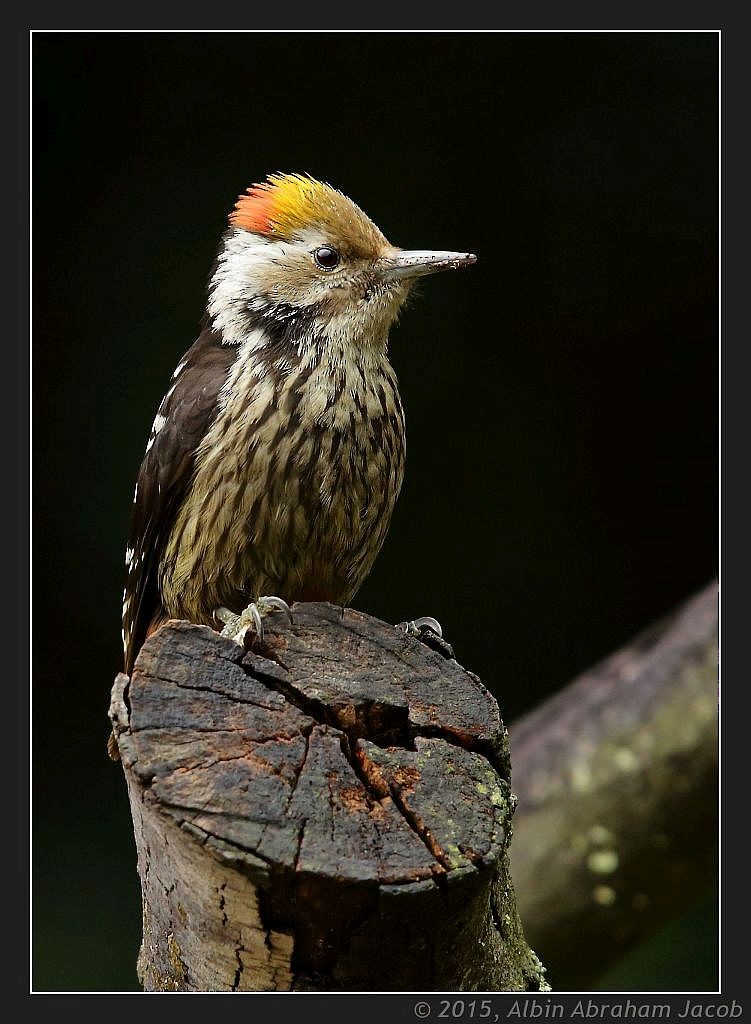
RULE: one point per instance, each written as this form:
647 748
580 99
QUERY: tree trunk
326 809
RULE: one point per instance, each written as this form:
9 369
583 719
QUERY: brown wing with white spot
184 416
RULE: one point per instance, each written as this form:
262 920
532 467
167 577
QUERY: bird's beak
406 263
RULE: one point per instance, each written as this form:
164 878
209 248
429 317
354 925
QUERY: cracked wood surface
326 810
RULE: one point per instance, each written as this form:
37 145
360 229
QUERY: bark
616 831
328 809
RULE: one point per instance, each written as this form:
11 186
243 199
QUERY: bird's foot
416 627
236 626
428 631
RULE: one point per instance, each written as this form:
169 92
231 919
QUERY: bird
277 454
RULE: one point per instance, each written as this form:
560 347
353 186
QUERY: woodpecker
277 454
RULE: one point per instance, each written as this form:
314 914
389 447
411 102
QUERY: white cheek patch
241 277
236 282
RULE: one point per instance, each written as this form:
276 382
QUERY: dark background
560 396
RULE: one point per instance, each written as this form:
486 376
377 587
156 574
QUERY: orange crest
282 205
285 205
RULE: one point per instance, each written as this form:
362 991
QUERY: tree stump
328 809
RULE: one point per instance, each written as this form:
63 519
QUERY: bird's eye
326 258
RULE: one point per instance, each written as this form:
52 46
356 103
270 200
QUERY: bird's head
299 251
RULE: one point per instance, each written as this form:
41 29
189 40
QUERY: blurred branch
616 828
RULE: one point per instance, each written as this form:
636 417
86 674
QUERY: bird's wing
184 417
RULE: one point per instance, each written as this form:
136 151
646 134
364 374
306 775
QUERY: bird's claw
428 631
236 626
416 627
